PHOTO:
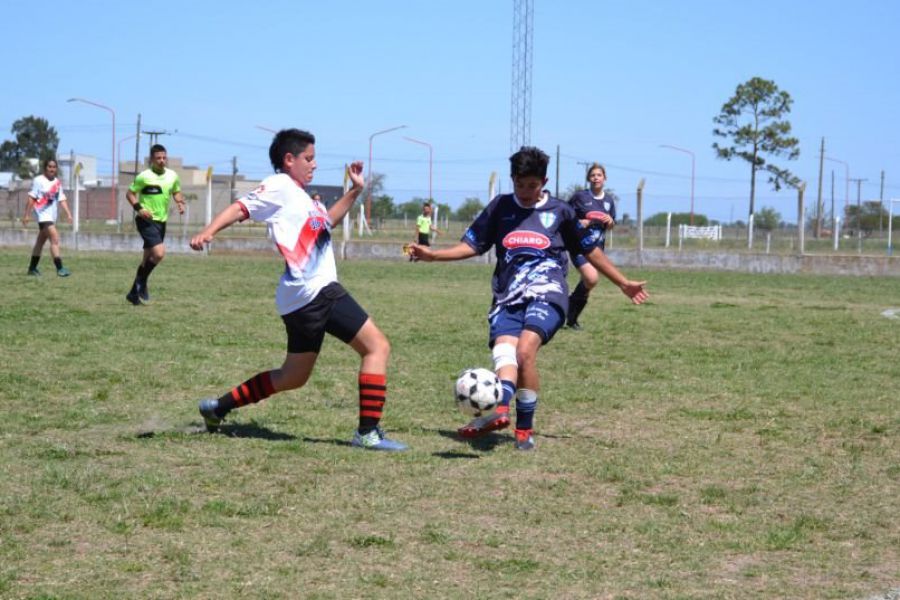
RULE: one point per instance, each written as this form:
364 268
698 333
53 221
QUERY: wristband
137 207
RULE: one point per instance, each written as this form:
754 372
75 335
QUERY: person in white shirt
309 298
44 200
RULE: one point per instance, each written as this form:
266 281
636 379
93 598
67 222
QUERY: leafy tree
872 216
444 210
684 218
382 207
469 209
34 138
767 219
573 189
753 123
411 208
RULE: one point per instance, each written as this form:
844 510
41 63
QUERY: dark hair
157 148
528 162
292 141
47 161
596 165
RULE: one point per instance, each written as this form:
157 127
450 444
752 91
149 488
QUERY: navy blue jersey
531 246
586 207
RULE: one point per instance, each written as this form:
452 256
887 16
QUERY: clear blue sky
611 82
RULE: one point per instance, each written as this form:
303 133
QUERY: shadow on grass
485 443
332 441
237 430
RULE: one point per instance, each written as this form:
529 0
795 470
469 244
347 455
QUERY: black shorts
45 224
424 239
153 232
333 311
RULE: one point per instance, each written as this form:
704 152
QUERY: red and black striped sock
372 393
259 387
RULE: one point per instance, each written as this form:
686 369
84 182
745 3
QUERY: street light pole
371 172
846 179
113 190
430 151
693 171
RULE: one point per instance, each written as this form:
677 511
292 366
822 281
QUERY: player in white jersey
309 298
44 200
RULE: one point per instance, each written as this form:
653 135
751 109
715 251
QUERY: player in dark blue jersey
531 233
596 211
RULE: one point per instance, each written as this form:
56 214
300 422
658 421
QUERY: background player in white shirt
44 199
309 298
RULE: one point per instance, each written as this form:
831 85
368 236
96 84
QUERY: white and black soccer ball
477 392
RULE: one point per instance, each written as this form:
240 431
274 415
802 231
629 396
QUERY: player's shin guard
372 395
259 387
526 404
577 301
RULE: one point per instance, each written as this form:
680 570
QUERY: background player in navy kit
531 233
596 211
309 298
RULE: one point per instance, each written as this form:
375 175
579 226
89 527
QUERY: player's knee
378 344
504 356
526 357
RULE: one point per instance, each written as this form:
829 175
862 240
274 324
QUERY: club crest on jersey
606 205
547 219
316 220
526 239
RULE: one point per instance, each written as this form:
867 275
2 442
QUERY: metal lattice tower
523 40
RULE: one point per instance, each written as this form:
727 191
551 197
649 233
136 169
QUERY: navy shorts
152 232
332 311
540 317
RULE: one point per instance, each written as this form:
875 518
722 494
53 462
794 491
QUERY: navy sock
526 405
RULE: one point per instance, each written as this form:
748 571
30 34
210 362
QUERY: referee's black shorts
153 232
332 311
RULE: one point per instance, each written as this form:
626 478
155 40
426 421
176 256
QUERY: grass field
737 437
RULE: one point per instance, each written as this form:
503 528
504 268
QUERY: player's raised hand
355 172
635 290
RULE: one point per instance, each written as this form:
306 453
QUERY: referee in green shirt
149 197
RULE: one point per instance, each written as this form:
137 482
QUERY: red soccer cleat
479 426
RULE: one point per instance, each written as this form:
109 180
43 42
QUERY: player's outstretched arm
458 252
231 215
340 208
633 289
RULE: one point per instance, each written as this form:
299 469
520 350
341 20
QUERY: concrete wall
872 266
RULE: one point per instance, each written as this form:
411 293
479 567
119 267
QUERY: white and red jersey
46 195
301 230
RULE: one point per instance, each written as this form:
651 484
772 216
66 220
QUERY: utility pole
557 171
234 171
881 205
137 147
154 135
819 207
859 181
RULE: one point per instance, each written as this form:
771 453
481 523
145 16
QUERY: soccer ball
477 392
